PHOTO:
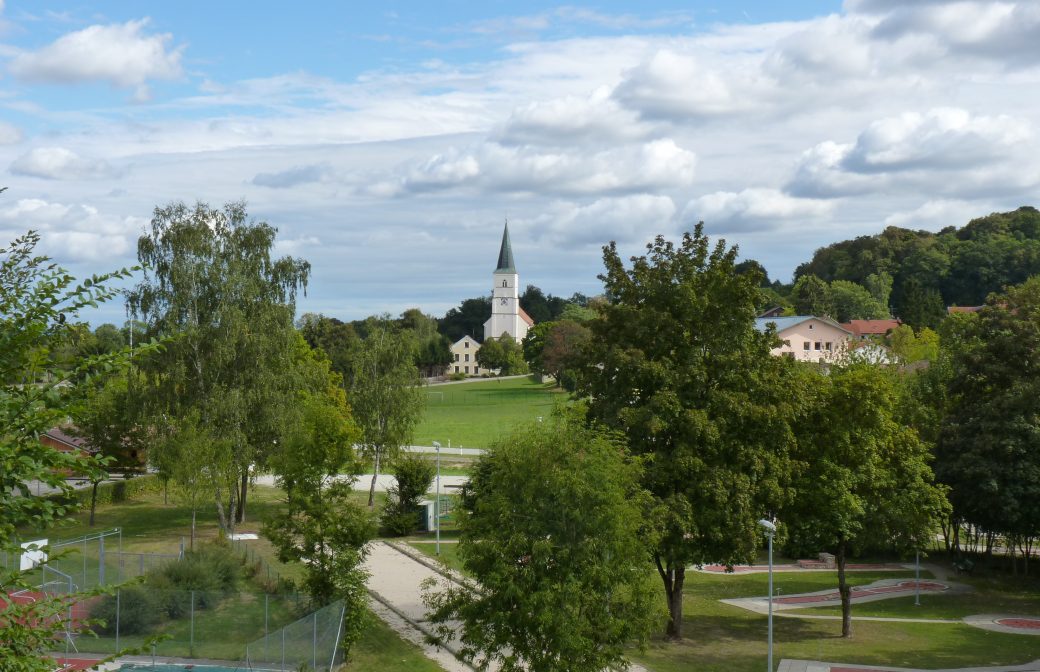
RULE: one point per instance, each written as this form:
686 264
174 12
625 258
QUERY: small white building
808 338
464 356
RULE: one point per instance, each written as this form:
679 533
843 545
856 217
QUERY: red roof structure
526 318
950 310
863 328
58 438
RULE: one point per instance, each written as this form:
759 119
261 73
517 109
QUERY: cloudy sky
388 143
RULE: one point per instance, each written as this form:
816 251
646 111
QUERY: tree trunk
93 503
672 577
845 591
192 546
372 488
242 496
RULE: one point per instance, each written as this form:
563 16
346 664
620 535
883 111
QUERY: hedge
113 492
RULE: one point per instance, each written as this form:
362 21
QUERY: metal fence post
117 618
101 560
283 649
191 641
314 644
266 634
84 584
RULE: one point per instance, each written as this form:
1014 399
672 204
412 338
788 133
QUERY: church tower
507 317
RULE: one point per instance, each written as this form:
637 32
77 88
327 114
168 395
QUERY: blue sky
388 142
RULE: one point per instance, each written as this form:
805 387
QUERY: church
507 317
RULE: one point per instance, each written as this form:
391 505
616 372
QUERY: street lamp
437 504
770 530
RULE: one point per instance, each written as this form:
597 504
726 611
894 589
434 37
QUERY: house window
466 345
810 326
476 369
467 369
456 357
504 284
828 346
467 356
805 345
456 368
818 345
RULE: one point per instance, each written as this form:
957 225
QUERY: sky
388 142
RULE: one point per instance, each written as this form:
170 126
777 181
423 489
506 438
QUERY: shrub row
113 492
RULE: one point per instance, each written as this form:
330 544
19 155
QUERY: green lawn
472 415
995 594
719 637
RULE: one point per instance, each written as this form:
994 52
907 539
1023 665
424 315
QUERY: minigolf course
879 590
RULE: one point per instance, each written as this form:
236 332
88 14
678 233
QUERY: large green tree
987 450
211 281
38 300
383 387
553 529
862 478
676 364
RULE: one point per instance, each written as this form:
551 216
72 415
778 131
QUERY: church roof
505 254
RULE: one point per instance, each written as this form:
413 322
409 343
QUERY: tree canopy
676 364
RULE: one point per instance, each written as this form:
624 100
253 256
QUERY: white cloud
120 54
293 177
9 134
920 148
935 214
491 166
596 119
58 163
625 219
74 232
754 209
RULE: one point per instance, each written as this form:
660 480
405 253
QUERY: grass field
472 415
719 637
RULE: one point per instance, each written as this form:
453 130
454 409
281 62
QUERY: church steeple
505 254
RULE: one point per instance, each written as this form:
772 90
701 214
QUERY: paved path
817 666
449 484
763 569
1012 623
396 576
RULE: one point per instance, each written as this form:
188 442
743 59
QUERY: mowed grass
473 415
720 637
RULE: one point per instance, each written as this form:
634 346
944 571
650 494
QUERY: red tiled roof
526 318
963 309
61 436
878 327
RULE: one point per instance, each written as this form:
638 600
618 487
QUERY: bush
458 375
211 572
414 475
139 610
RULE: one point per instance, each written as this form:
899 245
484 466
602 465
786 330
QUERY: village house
807 338
863 330
464 356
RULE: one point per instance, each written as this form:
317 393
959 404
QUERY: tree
676 364
321 525
920 305
37 301
502 354
553 529
863 479
387 401
106 420
563 345
911 347
213 282
880 287
413 475
197 462
466 320
987 451
811 296
850 301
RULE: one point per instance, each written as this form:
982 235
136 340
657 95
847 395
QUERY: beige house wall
813 341
464 357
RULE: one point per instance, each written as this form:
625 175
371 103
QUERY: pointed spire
505 254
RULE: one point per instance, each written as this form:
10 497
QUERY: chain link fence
311 643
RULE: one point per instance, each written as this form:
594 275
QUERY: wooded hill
932 270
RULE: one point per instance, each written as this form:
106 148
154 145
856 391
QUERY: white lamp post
770 530
437 504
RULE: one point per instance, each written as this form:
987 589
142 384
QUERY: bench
964 566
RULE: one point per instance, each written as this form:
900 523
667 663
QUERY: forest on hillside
929 271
